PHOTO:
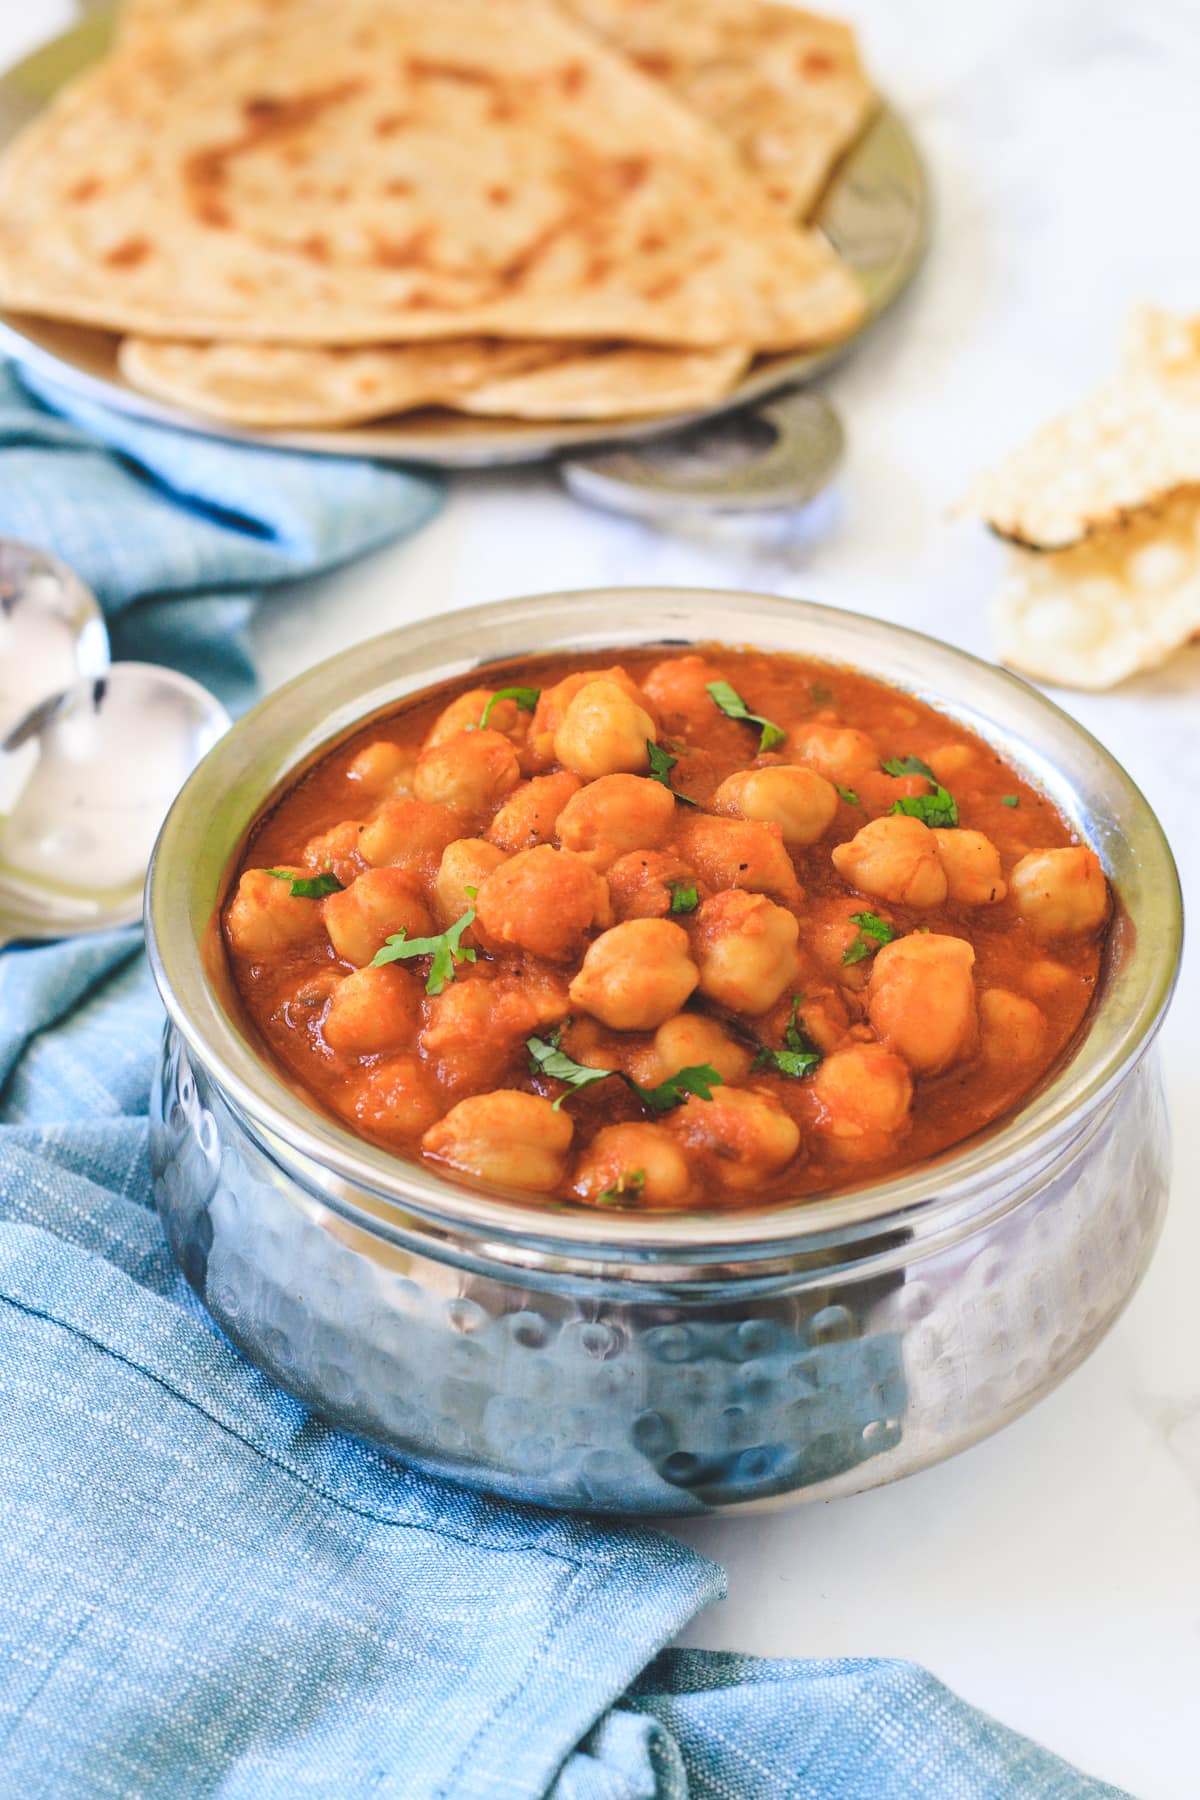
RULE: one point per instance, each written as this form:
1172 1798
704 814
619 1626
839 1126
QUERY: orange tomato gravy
285 995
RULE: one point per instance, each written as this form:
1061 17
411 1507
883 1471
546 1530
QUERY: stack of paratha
316 212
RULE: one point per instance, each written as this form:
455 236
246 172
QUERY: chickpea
950 761
739 853
545 900
475 1026
604 732
862 1095
678 687
972 865
1046 979
459 1038
685 1042
641 884
374 908
373 1010
1061 892
798 800
265 920
507 1137
1011 1027
409 834
470 772
746 947
466 863
530 814
748 1135
465 713
838 752
922 999
381 768
586 1041
644 1162
830 931
338 851
614 815
394 1098
553 703
894 859
636 975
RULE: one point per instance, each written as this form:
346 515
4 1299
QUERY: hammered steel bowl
669 1364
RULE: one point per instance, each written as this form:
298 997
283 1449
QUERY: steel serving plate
659 1364
875 213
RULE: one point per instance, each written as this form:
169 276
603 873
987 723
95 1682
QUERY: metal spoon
51 630
85 782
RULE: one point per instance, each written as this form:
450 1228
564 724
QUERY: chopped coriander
730 702
526 699
909 765
819 694
446 950
1010 800
700 1079
849 796
800 1054
873 933
545 1058
661 764
685 896
627 1182
472 893
937 810
793 1036
794 1063
308 887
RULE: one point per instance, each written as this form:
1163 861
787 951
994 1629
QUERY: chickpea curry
684 930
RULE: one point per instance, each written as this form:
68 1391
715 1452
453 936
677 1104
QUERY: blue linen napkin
204 1590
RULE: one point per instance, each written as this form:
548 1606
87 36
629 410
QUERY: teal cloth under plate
203 1590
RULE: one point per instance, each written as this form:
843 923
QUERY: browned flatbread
279 386
786 87
417 174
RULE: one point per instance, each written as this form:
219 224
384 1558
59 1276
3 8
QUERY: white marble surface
1052 1575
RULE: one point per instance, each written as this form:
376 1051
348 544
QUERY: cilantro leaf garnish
1010 799
685 896
937 810
786 1062
446 950
800 1055
819 694
308 887
526 699
909 765
629 1181
699 1079
849 796
793 1037
873 933
661 764
545 1058
730 702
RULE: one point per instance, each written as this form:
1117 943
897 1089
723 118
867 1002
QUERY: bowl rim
221 795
